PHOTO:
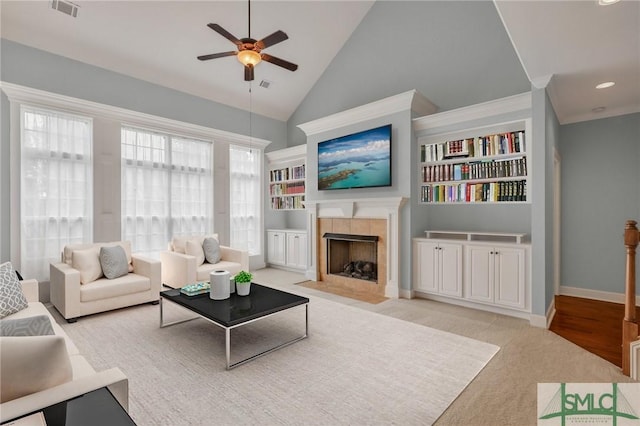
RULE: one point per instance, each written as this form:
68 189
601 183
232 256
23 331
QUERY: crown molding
287 154
411 100
506 105
27 95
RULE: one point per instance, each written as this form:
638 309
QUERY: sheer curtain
56 187
191 187
145 190
245 196
167 186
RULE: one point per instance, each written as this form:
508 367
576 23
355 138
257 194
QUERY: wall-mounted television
359 160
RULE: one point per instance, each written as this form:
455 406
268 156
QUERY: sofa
79 286
185 262
41 370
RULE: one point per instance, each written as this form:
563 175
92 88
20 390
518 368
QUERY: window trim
18 95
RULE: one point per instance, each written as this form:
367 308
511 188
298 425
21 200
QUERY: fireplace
352 256
378 217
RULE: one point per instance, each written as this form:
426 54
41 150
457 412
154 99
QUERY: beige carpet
504 393
356 367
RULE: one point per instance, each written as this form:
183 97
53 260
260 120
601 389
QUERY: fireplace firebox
353 256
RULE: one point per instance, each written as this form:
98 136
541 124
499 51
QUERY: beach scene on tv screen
356 161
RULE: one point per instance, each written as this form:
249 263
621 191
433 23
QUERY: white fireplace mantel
366 208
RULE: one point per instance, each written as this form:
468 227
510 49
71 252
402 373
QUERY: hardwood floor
591 324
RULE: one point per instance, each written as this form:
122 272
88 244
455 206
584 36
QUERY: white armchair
181 265
74 296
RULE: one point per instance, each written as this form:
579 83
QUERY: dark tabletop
235 310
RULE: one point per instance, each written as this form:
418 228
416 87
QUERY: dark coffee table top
235 310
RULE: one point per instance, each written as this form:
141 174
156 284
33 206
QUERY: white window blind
167 186
245 198
56 181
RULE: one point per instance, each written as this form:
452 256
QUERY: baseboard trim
406 294
472 305
605 296
635 360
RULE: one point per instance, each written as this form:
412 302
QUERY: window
245 198
167 186
56 180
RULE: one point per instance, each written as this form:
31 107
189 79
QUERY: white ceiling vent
65 7
265 84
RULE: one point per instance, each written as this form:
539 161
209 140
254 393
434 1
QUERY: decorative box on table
196 288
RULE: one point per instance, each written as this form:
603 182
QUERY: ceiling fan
249 51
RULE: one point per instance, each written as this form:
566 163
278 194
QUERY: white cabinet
438 267
496 275
296 250
475 269
287 248
276 241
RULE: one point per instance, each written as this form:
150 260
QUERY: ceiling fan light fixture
605 85
249 57
607 2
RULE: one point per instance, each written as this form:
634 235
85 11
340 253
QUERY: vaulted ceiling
573 44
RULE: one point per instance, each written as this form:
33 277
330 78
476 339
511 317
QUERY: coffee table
262 302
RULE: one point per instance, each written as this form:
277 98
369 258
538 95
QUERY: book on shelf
291 202
484 169
463 192
476 147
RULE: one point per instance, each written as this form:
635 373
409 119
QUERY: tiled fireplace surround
374 216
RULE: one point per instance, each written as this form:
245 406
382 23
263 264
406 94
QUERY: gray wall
37 69
454 53
600 192
449 52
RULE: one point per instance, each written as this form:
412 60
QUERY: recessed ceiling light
598 109
607 2
605 85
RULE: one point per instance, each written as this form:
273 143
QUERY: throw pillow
193 248
31 364
211 248
39 325
113 261
87 263
12 298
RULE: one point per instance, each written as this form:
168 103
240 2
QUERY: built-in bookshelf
481 165
287 177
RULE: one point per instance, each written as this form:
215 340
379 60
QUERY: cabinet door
296 250
509 277
479 273
450 264
426 270
275 247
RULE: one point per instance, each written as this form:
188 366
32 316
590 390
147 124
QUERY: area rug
356 367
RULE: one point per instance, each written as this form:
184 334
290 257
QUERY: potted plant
243 283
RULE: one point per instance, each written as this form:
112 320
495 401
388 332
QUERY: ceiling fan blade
279 62
248 72
272 39
224 33
217 55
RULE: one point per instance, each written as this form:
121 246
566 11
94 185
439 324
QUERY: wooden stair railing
629 323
